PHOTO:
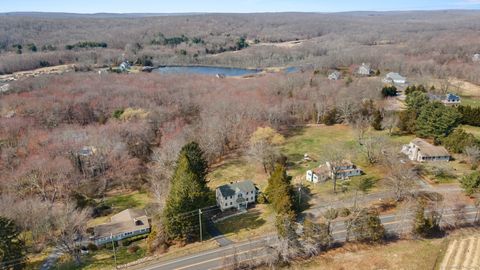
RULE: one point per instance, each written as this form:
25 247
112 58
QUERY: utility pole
114 251
200 222
300 196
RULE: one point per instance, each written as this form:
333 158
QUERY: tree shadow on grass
293 131
249 221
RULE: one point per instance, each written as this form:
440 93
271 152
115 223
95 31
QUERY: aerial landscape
191 135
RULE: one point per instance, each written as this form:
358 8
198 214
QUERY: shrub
118 113
344 212
389 91
128 241
92 247
261 199
101 210
133 249
458 140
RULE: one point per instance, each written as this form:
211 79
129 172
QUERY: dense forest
439 43
67 140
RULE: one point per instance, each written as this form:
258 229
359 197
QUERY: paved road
221 257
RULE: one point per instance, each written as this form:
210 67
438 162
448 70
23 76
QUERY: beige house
236 195
422 151
128 223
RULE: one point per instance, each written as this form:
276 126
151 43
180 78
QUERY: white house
394 78
335 76
236 195
448 99
126 224
476 57
342 170
421 151
364 70
124 66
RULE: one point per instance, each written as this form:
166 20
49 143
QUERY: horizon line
228 12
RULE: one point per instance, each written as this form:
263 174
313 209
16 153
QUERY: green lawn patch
257 222
471 129
470 101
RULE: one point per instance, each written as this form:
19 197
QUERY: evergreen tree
188 193
368 227
11 247
459 140
416 101
377 120
406 121
436 120
471 183
426 226
280 191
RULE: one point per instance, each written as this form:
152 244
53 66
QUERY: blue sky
175 6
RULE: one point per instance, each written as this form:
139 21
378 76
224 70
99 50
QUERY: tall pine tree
188 193
11 248
280 191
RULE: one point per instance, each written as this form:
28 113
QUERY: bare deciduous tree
70 226
473 155
400 178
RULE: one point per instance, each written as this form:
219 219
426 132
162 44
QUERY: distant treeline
87 44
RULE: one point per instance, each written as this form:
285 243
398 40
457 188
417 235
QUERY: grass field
314 141
255 223
472 101
471 129
407 254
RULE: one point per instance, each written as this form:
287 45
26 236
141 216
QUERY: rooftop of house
233 188
448 96
322 169
395 76
335 72
126 221
430 150
87 151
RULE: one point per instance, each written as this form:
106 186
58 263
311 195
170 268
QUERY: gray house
236 195
126 224
394 78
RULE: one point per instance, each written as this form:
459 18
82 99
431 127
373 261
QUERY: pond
213 71
206 70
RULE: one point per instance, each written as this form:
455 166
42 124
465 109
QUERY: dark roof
232 189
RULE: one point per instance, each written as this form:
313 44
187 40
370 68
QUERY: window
226 204
231 203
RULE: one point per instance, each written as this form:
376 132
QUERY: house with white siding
448 99
364 70
342 170
126 224
335 76
236 195
422 151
